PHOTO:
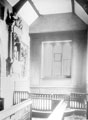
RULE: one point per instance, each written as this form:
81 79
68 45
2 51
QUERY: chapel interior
43 59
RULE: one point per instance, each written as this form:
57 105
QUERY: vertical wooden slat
44 101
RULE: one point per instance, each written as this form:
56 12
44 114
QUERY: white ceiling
12 2
53 6
49 7
28 13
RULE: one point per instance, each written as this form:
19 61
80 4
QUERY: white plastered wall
7 84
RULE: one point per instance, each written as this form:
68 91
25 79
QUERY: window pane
67 67
47 60
67 51
57 47
57 59
67 54
57 69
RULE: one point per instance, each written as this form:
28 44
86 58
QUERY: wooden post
87 108
8 60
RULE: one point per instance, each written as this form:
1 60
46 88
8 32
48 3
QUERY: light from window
28 13
56 59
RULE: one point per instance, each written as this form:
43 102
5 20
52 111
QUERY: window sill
56 78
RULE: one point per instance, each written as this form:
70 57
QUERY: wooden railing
54 90
44 102
41 102
47 102
78 101
19 96
21 111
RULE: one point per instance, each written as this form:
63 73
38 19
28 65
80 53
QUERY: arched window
67 59
47 60
56 59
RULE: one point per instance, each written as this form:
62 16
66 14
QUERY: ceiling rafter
34 7
18 5
72 2
84 5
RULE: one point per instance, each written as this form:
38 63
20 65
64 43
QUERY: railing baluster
44 101
19 96
47 102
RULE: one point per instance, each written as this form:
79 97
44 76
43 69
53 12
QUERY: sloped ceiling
79 11
59 6
12 2
57 23
84 4
53 6
49 6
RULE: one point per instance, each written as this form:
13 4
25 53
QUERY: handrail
58 112
6 113
49 96
53 89
45 102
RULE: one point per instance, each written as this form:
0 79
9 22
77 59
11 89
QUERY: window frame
62 76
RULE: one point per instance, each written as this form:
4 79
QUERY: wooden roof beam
18 5
34 7
72 2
